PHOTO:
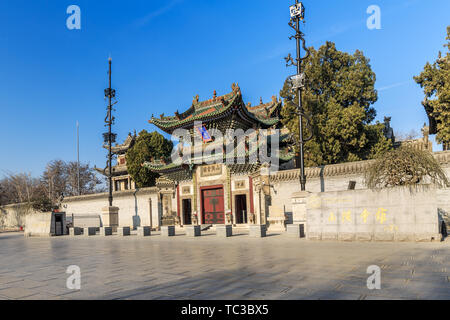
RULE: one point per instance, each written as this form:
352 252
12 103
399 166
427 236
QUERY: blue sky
165 52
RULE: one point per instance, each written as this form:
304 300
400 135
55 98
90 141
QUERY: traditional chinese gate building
218 193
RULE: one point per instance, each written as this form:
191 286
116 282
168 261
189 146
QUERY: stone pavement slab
208 267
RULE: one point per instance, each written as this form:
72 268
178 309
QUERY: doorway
213 208
59 228
187 211
241 209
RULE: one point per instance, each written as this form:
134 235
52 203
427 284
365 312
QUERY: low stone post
123 231
296 230
257 230
74 231
106 231
143 231
224 231
90 231
193 231
110 217
277 219
299 207
194 218
168 231
229 217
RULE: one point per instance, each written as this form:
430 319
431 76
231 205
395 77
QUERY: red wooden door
213 206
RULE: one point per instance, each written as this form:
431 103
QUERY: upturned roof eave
170 125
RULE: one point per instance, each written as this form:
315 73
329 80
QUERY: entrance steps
205 227
237 227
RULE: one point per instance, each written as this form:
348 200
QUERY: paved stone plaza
276 267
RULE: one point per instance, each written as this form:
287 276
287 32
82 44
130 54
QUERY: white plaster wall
390 214
38 224
14 216
134 207
282 191
135 210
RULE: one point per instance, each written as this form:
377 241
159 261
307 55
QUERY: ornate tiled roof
123 148
117 170
265 115
163 167
266 110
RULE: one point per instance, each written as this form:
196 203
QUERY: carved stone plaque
211 170
186 190
239 184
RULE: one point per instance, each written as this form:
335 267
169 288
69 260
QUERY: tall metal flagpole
298 81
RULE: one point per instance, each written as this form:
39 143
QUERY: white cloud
394 85
152 15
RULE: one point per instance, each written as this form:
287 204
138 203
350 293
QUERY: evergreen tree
435 80
338 97
147 146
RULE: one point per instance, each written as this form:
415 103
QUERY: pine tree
435 80
340 89
147 146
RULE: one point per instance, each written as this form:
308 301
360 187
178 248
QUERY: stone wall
13 216
336 178
42 224
136 207
142 207
396 214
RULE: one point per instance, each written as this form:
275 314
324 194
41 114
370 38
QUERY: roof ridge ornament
196 99
235 87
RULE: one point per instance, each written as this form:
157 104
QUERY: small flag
204 133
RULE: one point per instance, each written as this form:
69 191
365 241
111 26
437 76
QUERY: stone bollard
143 231
106 231
257 230
193 231
74 231
168 231
224 231
296 230
89 231
123 231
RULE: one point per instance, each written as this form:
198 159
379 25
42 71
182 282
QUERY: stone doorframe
190 197
233 202
261 189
